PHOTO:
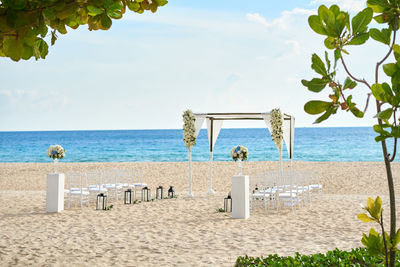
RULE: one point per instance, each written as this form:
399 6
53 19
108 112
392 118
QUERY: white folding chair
110 183
94 183
76 189
138 180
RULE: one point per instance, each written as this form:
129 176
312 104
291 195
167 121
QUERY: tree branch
384 239
389 52
366 104
351 76
395 139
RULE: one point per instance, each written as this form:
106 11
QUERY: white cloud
295 46
345 5
283 21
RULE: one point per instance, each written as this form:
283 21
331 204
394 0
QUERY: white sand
181 232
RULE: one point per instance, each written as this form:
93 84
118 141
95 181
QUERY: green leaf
325 116
105 21
317 65
379 129
41 48
328 17
93 11
359 39
315 85
356 112
114 14
376 6
53 37
364 218
361 20
396 239
340 23
13 48
328 62
329 42
348 83
379 19
377 91
396 131
381 36
27 52
380 138
396 51
161 2
134 6
385 114
116 6
316 107
390 69
376 209
338 55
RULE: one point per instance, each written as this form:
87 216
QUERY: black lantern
128 196
171 192
159 192
101 202
228 203
146 194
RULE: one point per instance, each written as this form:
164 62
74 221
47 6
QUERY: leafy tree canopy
25 24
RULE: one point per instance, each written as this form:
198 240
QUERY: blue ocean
311 144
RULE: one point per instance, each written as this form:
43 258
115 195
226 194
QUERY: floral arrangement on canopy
239 153
276 125
189 139
56 152
188 129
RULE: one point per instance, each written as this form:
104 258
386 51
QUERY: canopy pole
210 191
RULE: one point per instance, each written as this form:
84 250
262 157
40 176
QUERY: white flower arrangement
56 152
189 137
276 125
239 153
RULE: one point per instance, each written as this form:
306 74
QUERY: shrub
355 257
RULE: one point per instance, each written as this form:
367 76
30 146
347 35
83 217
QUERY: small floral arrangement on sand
239 153
56 152
188 129
276 125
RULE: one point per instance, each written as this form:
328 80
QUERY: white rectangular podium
240 197
55 192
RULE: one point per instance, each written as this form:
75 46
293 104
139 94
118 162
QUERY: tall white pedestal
240 197
55 192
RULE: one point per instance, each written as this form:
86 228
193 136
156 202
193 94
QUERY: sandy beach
182 231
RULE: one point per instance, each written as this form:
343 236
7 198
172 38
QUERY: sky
207 56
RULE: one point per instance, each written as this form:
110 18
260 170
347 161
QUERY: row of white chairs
83 187
282 189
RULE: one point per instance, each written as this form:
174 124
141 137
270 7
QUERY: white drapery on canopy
214 125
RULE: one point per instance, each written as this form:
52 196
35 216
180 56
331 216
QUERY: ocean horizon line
173 129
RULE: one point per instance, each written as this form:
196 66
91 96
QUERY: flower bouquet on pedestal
239 154
56 152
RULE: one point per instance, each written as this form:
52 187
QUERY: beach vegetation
355 257
220 210
28 26
340 34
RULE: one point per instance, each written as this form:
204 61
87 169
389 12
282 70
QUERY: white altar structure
214 124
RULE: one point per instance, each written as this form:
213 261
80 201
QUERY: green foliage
24 24
355 257
220 210
374 242
109 207
316 85
341 31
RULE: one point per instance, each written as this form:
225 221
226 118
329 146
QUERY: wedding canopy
214 125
